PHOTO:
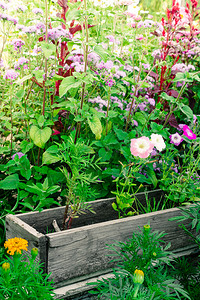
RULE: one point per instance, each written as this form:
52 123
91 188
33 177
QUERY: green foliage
24 279
146 251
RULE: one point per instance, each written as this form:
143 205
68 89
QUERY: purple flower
17 43
20 62
37 11
21 8
3 5
175 139
189 133
19 154
11 74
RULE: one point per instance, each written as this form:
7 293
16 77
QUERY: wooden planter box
79 253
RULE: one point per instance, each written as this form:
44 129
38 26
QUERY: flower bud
138 277
146 229
6 267
34 253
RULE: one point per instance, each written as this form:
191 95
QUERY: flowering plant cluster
14 272
127 84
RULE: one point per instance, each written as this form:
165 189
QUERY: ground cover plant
142 271
98 98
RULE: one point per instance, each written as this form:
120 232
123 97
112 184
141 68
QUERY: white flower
158 141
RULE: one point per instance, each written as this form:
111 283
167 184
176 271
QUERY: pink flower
55 132
141 147
189 133
139 37
175 139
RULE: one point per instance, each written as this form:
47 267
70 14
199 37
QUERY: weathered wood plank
42 221
15 227
81 251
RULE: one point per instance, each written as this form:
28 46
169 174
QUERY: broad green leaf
20 81
95 126
10 182
48 158
105 155
66 84
39 75
48 49
70 45
40 136
186 110
101 52
121 134
20 94
140 118
26 146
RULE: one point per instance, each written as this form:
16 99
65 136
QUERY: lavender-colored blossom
110 82
146 66
17 43
109 65
176 139
21 62
3 5
93 57
156 53
19 154
11 74
151 101
20 26
22 8
135 123
37 11
6 17
40 27
29 29
182 68
58 32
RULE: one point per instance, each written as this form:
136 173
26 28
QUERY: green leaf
48 49
95 126
101 52
20 81
70 45
20 94
152 176
114 206
140 118
105 155
40 136
121 135
66 85
10 182
26 146
39 75
48 158
186 110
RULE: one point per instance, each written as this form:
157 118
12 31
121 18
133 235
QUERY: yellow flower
138 277
6 267
154 254
16 245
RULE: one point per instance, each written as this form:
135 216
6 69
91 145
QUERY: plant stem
85 48
109 94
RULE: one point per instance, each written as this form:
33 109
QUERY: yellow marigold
6 266
138 276
16 245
